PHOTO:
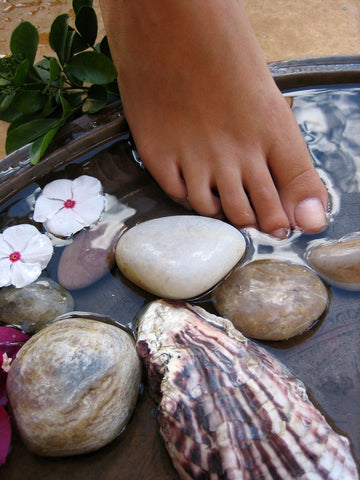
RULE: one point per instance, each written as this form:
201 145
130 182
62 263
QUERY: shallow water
326 358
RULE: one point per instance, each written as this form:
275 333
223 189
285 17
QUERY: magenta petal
3 395
11 340
5 435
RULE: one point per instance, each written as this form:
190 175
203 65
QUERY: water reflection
330 122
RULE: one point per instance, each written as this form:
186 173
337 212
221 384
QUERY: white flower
67 206
24 253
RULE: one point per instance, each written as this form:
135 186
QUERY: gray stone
34 305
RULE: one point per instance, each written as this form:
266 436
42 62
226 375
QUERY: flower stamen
14 256
69 203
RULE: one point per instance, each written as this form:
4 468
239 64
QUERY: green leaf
86 24
49 106
58 36
24 42
6 100
77 4
67 110
92 67
48 69
42 69
96 99
79 44
54 70
103 47
29 131
39 147
74 98
21 72
29 102
9 115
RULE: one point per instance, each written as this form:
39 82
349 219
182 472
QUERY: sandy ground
286 29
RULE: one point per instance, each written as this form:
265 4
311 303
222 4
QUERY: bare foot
207 118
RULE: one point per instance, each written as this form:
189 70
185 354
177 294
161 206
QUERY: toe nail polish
310 215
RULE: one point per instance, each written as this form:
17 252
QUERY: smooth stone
73 386
179 257
271 300
89 257
337 262
34 305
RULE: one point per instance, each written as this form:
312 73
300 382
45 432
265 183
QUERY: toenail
310 216
280 233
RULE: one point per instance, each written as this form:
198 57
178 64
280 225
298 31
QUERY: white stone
179 257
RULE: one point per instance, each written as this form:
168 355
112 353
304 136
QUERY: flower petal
58 189
3 396
5 272
5 435
90 211
23 274
64 223
85 187
11 340
18 236
5 249
46 208
38 250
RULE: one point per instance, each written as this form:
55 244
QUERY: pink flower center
14 256
69 203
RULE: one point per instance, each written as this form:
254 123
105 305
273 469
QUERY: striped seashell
227 408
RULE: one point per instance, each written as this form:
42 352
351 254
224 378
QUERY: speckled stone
73 386
271 300
179 257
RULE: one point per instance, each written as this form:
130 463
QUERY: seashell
227 408
337 262
73 386
34 305
271 300
179 257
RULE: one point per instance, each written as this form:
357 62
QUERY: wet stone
34 305
271 300
337 262
73 386
89 257
179 257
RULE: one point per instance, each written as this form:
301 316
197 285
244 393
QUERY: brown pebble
271 300
337 262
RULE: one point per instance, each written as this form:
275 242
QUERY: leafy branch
39 98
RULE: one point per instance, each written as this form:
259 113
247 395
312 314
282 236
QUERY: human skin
207 118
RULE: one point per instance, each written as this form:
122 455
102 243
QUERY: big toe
310 215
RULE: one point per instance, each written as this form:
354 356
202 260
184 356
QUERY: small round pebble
337 262
34 305
73 386
271 300
179 257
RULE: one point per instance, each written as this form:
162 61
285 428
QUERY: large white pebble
179 257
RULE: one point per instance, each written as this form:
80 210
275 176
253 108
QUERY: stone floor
286 29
